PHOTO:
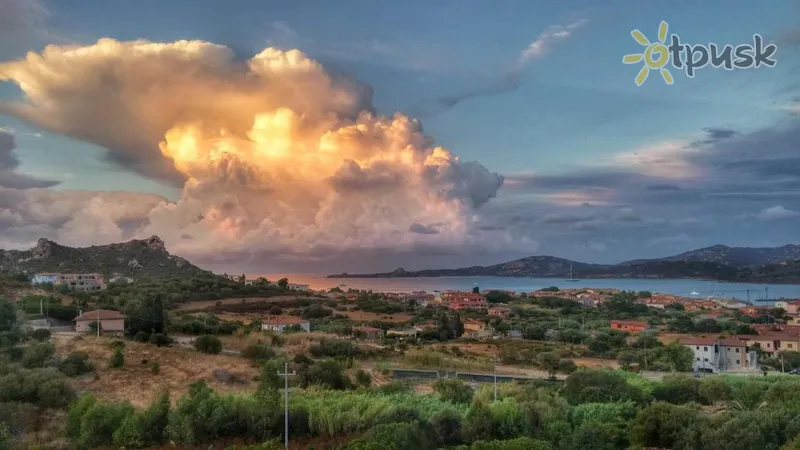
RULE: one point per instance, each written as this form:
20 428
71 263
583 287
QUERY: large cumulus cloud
274 154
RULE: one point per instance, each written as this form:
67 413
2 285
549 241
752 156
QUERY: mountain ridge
718 262
136 258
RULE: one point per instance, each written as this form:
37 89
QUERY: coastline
590 277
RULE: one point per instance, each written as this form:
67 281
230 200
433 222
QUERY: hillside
713 263
145 258
739 257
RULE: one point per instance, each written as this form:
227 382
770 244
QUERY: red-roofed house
499 311
109 321
631 326
465 300
476 329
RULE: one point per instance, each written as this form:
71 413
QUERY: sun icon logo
655 56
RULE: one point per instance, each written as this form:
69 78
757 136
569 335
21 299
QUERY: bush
275 310
678 389
141 336
37 355
75 364
258 352
42 387
455 391
117 358
159 340
208 344
155 368
41 334
363 378
446 427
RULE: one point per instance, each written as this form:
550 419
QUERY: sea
755 293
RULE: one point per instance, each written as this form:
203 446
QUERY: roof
638 323
46 274
102 314
283 320
729 342
694 340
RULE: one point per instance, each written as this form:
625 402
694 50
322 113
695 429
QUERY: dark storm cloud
9 178
422 229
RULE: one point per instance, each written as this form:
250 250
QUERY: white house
712 354
279 324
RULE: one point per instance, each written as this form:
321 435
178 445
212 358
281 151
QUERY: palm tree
747 398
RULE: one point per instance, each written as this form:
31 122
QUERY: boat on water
571 279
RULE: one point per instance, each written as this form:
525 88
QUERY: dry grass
596 363
363 316
135 381
206 304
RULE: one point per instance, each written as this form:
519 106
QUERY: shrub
75 364
455 391
117 358
155 368
275 310
363 378
258 352
446 427
159 340
43 387
678 389
37 355
208 344
141 336
41 334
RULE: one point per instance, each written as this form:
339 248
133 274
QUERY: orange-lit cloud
274 154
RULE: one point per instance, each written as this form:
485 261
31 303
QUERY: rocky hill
778 265
140 258
739 257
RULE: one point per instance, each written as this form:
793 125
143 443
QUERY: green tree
208 344
455 391
283 283
549 361
714 389
663 425
117 358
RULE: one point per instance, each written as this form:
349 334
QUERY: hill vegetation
146 258
777 265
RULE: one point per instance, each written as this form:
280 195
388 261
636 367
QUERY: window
737 350
737 361
705 359
697 347
705 349
698 359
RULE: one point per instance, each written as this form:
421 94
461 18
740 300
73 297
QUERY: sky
314 136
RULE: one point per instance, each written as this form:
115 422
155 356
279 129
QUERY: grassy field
210 304
363 316
178 368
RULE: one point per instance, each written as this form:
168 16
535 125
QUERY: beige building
110 321
84 282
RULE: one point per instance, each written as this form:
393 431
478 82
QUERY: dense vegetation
593 409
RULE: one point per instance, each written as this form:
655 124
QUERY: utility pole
286 376
494 372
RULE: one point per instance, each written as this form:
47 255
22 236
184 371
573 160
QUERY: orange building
631 326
